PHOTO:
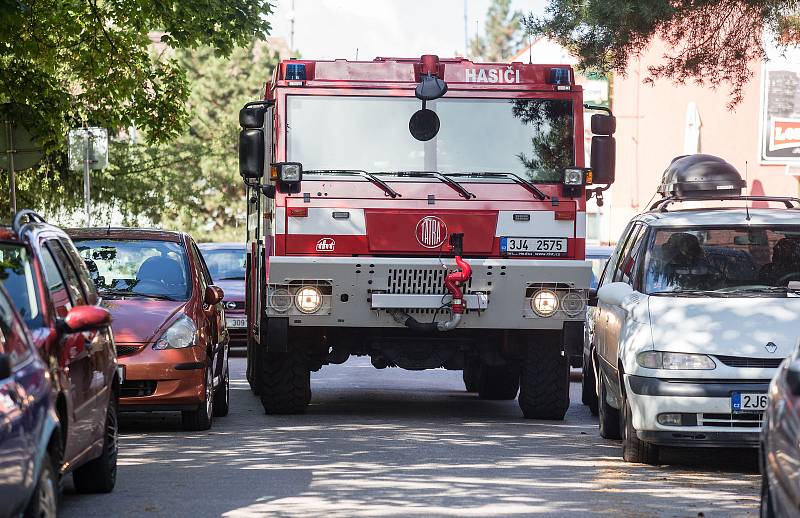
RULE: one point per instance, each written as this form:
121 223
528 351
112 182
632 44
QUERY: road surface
400 443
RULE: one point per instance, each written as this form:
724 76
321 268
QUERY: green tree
711 42
502 37
75 61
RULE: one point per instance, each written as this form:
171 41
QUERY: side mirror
614 293
252 117
424 124
592 300
793 377
251 154
86 318
5 366
213 295
603 160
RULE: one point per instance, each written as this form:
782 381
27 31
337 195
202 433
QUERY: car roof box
701 176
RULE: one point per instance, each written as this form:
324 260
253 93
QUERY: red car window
68 272
82 272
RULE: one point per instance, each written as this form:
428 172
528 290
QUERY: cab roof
721 216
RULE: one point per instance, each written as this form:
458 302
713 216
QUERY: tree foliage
502 37
93 61
711 42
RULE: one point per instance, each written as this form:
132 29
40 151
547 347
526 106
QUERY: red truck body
463 250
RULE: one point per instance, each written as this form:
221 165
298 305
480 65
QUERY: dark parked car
169 321
50 287
780 443
29 435
598 257
226 264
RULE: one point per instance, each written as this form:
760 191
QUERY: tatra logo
326 244
230 305
771 347
431 232
493 75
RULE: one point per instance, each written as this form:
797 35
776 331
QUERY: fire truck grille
419 281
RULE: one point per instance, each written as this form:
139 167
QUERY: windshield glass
16 276
533 138
145 268
737 260
225 263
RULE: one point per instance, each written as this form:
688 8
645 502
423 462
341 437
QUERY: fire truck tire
544 383
498 383
470 375
253 368
285 382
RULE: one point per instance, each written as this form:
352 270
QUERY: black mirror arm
597 192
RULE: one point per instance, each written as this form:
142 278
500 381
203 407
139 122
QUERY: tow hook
452 282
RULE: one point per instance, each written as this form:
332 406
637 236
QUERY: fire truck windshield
533 138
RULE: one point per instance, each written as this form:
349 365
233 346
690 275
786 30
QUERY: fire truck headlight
544 303
574 176
572 304
308 299
280 300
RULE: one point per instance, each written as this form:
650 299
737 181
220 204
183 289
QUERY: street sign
19 149
88 141
88 149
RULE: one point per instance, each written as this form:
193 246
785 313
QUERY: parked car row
94 322
692 334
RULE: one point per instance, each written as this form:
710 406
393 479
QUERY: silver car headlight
179 335
675 361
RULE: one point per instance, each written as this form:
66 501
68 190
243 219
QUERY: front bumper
498 292
171 379
704 404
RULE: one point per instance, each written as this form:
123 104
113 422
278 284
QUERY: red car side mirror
213 295
86 318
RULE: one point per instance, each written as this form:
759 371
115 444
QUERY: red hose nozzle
452 281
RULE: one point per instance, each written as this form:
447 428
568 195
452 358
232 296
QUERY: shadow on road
397 443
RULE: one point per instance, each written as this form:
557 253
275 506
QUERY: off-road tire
44 500
497 383
201 418
544 383
253 366
589 386
222 396
100 475
285 382
470 375
634 449
608 416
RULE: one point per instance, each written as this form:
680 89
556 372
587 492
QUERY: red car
169 321
50 287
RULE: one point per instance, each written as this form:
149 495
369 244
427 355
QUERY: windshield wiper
517 179
433 174
360 172
230 278
126 293
679 293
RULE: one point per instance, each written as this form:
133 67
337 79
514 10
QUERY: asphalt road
400 443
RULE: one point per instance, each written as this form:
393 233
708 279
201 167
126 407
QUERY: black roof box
701 176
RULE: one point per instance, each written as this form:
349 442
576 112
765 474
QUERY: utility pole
466 31
291 29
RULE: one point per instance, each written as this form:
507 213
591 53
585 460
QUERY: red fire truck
426 213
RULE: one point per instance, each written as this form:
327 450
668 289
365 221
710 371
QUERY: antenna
356 53
747 185
530 49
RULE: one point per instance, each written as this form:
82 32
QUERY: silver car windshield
533 138
754 260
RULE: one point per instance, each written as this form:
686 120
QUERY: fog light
308 299
572 304
544 303
280 300
670 419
